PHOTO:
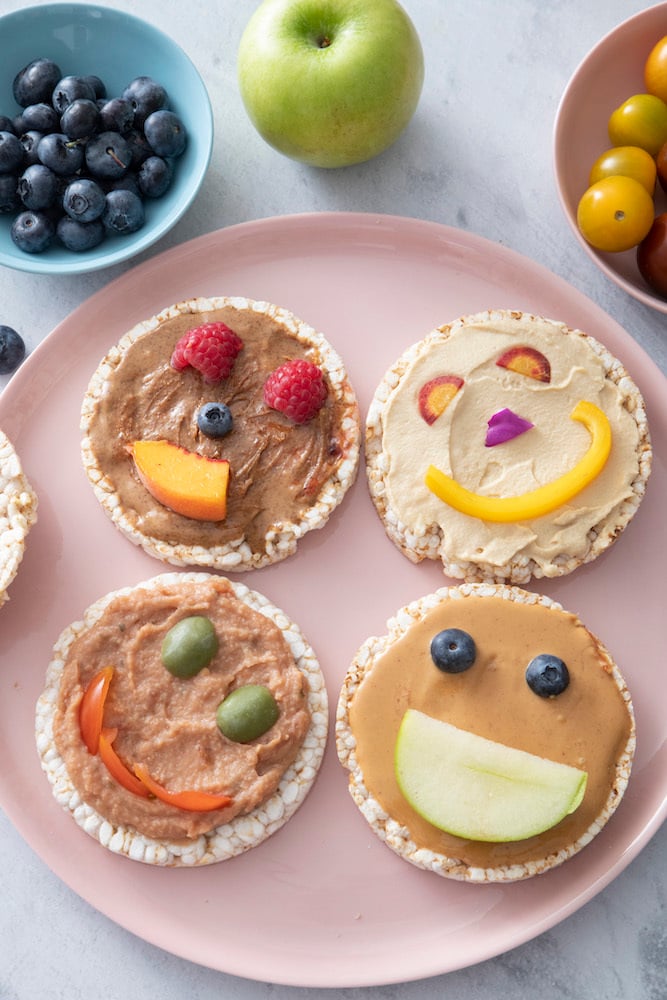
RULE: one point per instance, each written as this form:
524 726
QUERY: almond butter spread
167 724
277 468
586 726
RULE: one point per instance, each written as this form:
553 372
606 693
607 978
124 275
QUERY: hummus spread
587 726
168 724
278 469
455 442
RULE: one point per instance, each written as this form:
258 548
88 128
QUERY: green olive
189 646
246 713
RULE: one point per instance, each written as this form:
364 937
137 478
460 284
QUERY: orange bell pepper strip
192 801
91 710
115 766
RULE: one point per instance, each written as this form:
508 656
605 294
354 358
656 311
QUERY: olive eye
547 675
453 650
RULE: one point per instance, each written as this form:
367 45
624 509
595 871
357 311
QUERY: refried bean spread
586 726
277 468
167 724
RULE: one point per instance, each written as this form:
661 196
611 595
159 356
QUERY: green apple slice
477 789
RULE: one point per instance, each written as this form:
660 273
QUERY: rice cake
168 724
435 407
589 726
18 513
285 479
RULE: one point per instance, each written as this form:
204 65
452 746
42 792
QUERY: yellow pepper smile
542 500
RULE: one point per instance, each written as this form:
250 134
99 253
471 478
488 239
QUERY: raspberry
296 389
210 348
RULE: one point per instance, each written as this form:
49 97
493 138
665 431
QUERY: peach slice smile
187 483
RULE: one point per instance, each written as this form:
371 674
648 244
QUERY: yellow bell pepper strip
192 801
91 710
544 499
115 766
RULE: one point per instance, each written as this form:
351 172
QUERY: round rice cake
589 725
167 725
285 478
486 402
18 513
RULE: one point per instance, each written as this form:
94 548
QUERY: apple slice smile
477 789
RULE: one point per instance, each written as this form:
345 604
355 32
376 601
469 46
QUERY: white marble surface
476 156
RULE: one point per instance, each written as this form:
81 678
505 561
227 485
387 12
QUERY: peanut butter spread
455 442
586 726
277 468
167 724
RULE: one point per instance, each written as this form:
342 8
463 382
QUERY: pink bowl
611 72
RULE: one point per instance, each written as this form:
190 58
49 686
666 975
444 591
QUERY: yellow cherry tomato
615 214
655 70
639 121
626 161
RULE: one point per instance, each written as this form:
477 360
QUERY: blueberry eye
547 675
214 419
453 650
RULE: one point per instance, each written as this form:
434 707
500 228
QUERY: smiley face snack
489 736
183 720
508 446
219 432
18 513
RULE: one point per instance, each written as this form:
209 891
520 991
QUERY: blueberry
11 153
79 236
116 115
145 95
30 141
547 675
64 156
71 88
214 420
9 194
139 148
453 650
154 176
7 124
107 155
38 187
98 85
124 212
165 133
12 350
41 117
32 231
80 119
35 82
84 199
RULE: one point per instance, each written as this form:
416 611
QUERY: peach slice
526 361
436 395
187 483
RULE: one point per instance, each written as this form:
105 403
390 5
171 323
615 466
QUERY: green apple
477 789
330 82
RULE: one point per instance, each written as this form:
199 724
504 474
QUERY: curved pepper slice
91 710
544 499
115 766
191 800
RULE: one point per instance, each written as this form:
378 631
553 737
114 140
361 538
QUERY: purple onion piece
505 425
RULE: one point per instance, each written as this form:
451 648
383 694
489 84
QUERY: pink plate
322 902
611 72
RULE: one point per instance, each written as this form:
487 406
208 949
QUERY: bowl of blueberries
106 134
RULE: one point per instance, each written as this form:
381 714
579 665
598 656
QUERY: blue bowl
84 39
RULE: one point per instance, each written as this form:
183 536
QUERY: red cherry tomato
652 256
661 167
